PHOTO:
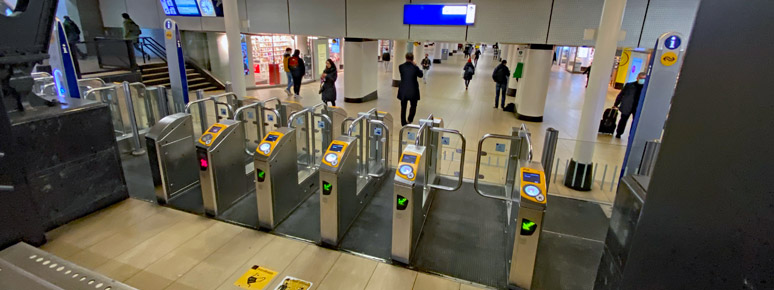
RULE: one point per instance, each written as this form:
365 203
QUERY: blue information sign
672 42
439 14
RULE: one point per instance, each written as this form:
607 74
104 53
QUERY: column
504 50
534 85
437 52
399 52
360 81
301 44
233 34
419 51
579 172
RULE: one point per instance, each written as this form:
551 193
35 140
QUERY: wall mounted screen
439 14
194 8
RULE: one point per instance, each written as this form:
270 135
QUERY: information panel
194 8
439 14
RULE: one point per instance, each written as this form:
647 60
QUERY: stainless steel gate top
25 267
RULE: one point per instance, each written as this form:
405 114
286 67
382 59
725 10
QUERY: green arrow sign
402 201
528 225
261 174
327 186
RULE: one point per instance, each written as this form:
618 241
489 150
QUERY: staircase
157 74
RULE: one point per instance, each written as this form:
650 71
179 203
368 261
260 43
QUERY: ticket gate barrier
172 153
255 115
347 180
286 176
526 186
172 156
221 159
415 180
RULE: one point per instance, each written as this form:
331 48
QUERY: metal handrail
523 129
232 100
422 129
237 114
354 122
386 149
478 164
344 124
279 103
296 114
95 90
462 160
94 79
400 138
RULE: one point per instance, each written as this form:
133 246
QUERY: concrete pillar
504 50
437 52
360 79
419 51
399 51
301 44
233 34
534 87
579 172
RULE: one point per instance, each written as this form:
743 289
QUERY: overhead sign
439 14
256 278
291 283
194 8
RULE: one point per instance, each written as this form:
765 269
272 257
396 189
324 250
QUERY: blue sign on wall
195 8
439 14
672 42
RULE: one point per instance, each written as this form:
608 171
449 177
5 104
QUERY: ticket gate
415 180
353 168
286 169
172 155
221 159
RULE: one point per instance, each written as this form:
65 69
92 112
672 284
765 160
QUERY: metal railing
462 161
152 46
116 53
259 109
386 155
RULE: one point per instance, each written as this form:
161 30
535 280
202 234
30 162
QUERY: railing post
203 110
549 150
137 148
163 103
649 157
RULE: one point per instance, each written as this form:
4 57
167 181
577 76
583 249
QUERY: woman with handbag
328 83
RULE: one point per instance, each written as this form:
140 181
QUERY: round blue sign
672 42
168 24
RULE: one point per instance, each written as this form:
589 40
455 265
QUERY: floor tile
276 256
430 282
312 264
388 277
349 273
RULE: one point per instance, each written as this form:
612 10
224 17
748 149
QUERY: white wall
317 17
518 21
376 19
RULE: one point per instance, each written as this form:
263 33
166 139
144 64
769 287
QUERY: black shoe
618 136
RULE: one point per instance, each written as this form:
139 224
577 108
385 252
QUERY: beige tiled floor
170 249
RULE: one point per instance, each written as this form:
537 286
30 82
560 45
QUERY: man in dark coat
627 102
500 77
297 71
408 91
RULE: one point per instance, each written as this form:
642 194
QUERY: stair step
155 75
156 82
154 70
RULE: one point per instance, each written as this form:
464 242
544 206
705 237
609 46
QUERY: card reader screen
271 137
409 159
531 177
215 129
336 147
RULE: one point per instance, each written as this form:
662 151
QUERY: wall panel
512 21
111 12
668 15
376 19
437 33
571 17
318 17
268 16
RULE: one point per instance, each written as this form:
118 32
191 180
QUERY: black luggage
510 107
607 124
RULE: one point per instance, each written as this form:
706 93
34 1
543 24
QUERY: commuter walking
478 54
425 67
467 73
131 30
328 86
408 91
500 77
627 102
297 70
588 75
386 59
73 34
285 59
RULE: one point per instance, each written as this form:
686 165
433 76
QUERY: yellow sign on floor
291 283
256 278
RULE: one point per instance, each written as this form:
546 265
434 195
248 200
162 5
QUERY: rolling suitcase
607 124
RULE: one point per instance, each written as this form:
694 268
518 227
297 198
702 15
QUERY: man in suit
627 102
408 91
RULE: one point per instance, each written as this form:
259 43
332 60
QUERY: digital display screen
271 137
206 8
214 129
336 147
409 159
531 177
187 7
169 7
439 14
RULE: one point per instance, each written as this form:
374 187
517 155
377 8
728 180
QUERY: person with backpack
131 30
468 71
408 91
297 71
73 34
386 59
627 100
478 54
328 86
500 77
425 67
285 58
